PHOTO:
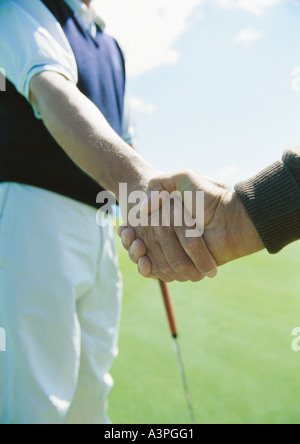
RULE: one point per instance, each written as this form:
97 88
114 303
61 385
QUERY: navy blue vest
28 153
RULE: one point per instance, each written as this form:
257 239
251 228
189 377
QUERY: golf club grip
169 307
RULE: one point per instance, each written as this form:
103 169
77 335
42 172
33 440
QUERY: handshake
165 250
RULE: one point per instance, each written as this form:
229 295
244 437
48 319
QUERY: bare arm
83 132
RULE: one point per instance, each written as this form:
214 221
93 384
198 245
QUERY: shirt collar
87 14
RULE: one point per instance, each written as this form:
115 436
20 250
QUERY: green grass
235 334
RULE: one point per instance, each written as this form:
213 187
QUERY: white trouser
60 298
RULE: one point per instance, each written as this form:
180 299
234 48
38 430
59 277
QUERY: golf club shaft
173 327
184 381
169 308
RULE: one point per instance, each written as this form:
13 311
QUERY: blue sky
211 81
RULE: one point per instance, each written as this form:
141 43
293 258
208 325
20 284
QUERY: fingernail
212 274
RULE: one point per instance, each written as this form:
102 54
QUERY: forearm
84 134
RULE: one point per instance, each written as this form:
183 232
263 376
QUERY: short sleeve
32 41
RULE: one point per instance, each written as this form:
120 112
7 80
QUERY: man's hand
229 232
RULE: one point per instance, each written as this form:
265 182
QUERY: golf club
173 327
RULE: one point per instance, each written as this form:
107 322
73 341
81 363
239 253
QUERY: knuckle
155 183
161 270
181 279
192 244
168 280
165 269
155 270
179 265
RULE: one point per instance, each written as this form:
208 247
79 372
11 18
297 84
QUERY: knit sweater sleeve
272 200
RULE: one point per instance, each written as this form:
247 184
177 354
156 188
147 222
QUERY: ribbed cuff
272 200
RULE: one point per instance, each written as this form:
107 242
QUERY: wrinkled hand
228 231
170 254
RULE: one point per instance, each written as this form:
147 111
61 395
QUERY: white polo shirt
32 41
